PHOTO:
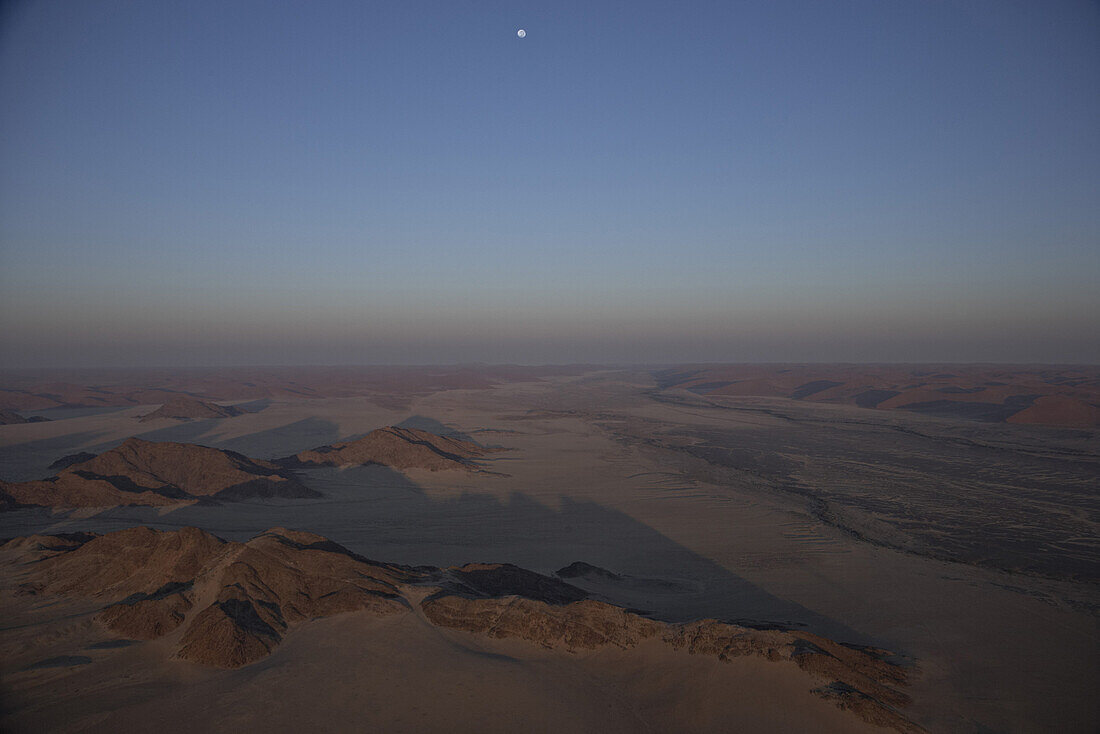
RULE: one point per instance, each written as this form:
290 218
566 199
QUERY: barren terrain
967 549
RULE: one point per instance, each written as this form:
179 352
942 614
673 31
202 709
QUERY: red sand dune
1054 395
25 389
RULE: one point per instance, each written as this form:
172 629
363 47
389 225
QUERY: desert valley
580 548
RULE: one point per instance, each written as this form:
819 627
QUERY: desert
600 526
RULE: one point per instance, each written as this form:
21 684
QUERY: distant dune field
596 550
1059 396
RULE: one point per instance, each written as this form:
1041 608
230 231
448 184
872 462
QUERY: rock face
146 473
187 408
858 679
229 604
862 678
279 579
10 417
235 601
147 616
400 448
584 624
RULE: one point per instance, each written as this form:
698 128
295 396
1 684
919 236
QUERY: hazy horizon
341 183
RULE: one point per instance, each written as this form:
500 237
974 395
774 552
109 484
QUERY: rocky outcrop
584 624
31 548
118 565
859 679
228 634
10 417
187 408
504 579
142 472
280 579
582 570
149 616
229 604
7 502
235 601
399 448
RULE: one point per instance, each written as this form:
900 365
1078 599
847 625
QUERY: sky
230 182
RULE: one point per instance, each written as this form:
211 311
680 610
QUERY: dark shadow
379 513
31 460
60 414
986 412
186 432
183 432
111 644
812 388
280 441
431 425
62 661
871 398
253 406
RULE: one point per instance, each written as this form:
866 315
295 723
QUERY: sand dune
393 386
1064 396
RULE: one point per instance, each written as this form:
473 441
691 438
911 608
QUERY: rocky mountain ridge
399 448
187 408
140 472
229 604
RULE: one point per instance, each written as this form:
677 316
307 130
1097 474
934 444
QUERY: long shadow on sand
423 423
381 514
281 441
186 432
31 459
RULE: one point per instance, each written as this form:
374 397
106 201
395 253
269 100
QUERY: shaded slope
400 448
187 408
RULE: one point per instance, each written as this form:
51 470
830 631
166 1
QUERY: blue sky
408 182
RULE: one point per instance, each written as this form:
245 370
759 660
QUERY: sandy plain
969 549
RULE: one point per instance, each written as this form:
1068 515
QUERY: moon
521 33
